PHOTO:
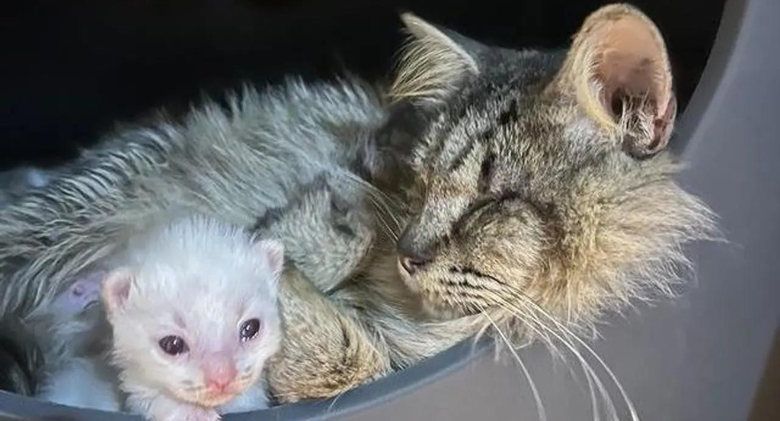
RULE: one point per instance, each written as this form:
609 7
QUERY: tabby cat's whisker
539 404
528 317
629 403
386 207
590 374
592 379
333 402
388 201
480 333
386 227
384 214
529 320
532 306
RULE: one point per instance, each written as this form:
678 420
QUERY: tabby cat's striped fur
522 188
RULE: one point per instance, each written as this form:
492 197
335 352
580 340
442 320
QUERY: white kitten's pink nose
218 372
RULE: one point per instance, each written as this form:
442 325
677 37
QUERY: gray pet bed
698 358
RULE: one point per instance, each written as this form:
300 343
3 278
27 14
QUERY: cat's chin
209 400
217 400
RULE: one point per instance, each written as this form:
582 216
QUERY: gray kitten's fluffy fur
16 182
524 190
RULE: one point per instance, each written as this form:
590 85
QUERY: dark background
70 68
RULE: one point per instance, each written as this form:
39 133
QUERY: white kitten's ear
116 289
619 72
433 62
273 250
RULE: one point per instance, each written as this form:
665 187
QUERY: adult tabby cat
522 188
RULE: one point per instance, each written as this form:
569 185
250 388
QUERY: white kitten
195 317
194 314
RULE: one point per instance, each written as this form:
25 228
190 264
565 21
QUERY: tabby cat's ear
433 63
618 71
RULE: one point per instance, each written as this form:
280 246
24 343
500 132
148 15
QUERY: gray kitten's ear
433 62
273 251
618 70
116 289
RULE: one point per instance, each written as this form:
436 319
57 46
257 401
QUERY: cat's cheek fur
252 359
142 361
486 268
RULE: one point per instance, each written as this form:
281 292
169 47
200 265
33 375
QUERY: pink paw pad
80 295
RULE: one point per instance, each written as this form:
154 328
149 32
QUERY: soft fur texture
20 358
18 181
194 277
74 336
530 188
83 383
199 280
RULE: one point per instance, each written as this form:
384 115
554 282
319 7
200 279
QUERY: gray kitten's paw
84 292
324 234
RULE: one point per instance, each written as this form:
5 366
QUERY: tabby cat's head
543 176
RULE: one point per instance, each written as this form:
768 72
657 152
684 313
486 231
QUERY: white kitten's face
204 352
199 330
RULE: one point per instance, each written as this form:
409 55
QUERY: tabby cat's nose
412 257
412 264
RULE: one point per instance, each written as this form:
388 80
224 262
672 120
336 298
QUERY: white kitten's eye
173 345
249 329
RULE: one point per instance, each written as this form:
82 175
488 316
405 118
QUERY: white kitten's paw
191 413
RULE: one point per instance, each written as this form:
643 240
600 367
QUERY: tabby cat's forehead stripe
486 170
442 134
495 106
484 139
510 113
460 157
